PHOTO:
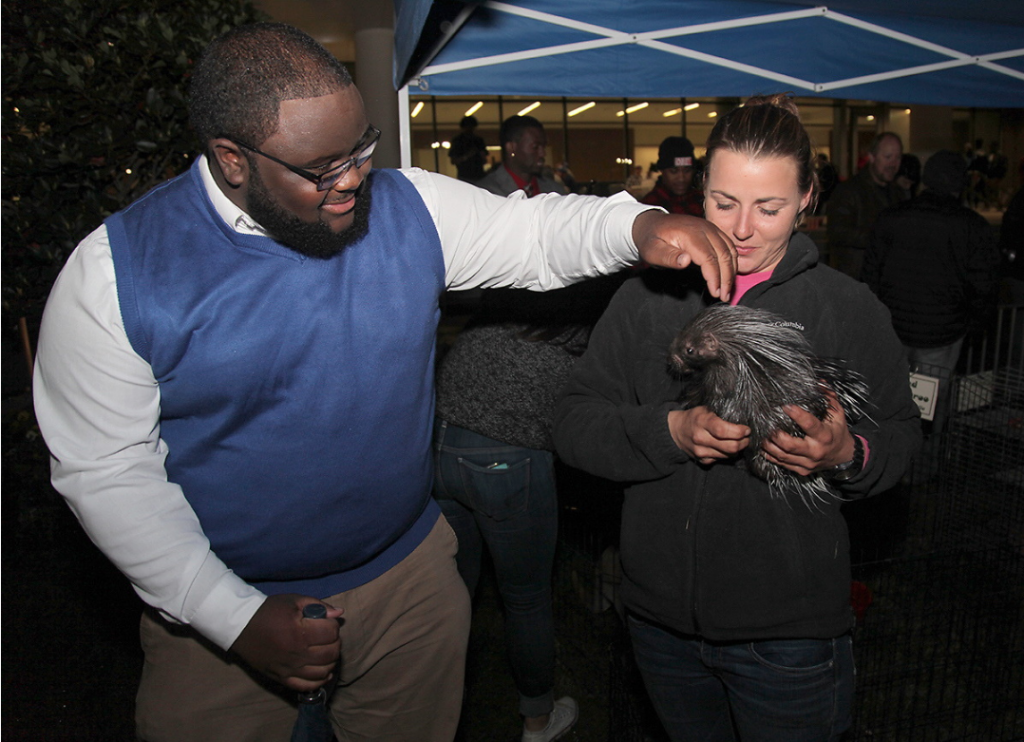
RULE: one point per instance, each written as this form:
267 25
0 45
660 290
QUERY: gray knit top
506 370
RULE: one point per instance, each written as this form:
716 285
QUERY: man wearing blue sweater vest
235 381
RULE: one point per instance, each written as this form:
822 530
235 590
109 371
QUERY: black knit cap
675 152
945 172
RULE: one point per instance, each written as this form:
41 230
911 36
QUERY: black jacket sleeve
605 423
861 333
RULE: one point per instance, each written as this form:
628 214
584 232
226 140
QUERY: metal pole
404 128
436 144
565 130
625 139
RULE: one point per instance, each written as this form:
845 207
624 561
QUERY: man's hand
705 436
826 443
676 241
298 652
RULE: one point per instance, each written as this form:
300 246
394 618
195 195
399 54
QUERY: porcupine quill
745 365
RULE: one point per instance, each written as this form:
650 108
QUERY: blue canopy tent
938 52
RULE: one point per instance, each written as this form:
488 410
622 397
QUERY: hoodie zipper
692 523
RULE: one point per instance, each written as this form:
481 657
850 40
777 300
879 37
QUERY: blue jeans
790 690
503 497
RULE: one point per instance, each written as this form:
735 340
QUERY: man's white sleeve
545 242
98 407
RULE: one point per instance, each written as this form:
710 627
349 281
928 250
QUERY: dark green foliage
94 115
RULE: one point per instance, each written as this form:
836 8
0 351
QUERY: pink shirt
743 284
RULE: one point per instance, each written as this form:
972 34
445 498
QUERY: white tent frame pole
982 60
649 39
404 127
618 38
892 75
548 51
985 61
897 35
910 71
680 51
557 20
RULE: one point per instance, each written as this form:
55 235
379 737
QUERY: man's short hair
242 77
877 141
513 127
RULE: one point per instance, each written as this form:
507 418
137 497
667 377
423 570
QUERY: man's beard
315 240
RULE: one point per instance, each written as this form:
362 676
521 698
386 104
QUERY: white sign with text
925 390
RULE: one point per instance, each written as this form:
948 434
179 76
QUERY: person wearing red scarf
523 144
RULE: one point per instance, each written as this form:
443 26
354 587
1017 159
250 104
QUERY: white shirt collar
232 215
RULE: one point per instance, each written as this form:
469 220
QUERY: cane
313 724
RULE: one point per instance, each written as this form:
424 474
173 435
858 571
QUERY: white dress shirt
98 403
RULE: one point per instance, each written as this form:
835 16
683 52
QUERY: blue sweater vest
296 394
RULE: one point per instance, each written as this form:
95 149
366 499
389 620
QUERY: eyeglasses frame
356 160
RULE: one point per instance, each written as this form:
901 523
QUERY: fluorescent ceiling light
581 109
633 109
532 106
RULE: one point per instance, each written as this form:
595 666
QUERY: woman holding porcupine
738 600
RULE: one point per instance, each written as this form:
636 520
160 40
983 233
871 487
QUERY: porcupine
744 365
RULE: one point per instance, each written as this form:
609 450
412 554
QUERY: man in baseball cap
675 189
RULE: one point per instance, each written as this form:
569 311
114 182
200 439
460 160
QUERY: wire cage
982 485
587 575
940 566
940 648
939 576
631 716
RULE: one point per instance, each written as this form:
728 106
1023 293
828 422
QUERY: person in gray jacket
738 603
523 144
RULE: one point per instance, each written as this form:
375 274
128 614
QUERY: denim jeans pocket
794 656
499 492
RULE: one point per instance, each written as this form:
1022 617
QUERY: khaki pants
403 650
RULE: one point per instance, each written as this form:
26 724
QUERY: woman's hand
826 443
705 436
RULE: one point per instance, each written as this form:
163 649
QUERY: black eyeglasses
326 176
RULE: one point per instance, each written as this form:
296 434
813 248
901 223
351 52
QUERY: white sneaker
563 717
